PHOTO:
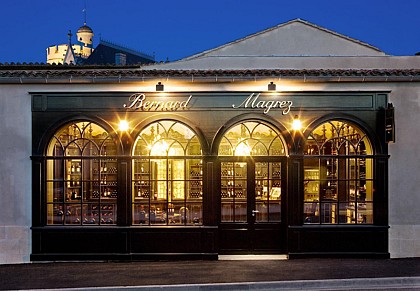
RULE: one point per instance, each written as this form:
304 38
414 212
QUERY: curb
331 284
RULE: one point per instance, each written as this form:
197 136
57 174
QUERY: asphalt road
56 275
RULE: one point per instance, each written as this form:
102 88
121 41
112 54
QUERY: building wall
404 169
295 39
15 178
15 163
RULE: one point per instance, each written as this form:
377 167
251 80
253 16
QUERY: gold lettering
247 101
184 104
138 101
159 104
269 105
289 106
146 105
253 102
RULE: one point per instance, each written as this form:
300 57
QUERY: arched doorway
252 190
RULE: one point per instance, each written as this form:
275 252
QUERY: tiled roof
126 49
105 53
28 74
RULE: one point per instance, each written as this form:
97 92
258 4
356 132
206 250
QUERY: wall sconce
297 124
389 123
271 87
159 86
123 125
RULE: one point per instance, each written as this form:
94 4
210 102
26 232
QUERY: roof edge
123 48
75 75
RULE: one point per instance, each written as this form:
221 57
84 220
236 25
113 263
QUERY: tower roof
85 28
69 58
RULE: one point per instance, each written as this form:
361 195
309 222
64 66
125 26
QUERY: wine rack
329 187
267 181
107 178
196 181
234 182
311 182
82 181
142 179
74 180
91 191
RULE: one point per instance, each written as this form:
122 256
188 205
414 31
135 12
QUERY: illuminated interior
244 140
81 177
251 139
167 175
338 175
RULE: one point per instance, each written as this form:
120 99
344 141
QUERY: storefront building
210 173
243 149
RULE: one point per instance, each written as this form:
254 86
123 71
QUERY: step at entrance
251 257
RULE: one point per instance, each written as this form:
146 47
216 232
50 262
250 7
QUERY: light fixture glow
242 149
297 124
123 125
160 148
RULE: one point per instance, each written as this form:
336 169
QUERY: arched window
251 139
167 175
81 176
338 175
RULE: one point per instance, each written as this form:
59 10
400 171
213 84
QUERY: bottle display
268 192
142 179
338 176
195 190
82 185
167 192
234 191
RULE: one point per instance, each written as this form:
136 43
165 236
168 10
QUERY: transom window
251 139
338 175
167 176
81 176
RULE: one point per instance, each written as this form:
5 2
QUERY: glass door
267 192
234 192
251 206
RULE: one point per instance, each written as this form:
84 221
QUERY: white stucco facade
15 182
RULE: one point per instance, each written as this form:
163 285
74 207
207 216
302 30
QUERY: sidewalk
299 274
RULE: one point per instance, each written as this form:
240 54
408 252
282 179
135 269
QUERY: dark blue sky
175 29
